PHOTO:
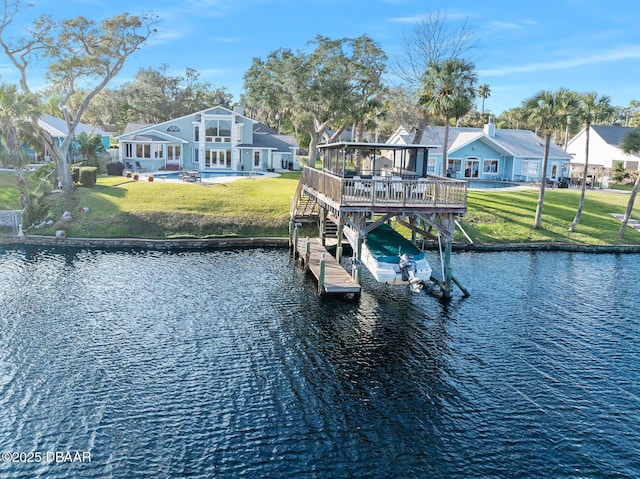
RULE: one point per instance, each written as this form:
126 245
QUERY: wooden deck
336 279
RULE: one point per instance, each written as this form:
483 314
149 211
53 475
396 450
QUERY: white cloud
622 52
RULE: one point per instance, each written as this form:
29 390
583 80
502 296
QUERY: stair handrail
295 199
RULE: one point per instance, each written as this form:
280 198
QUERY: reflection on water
226 364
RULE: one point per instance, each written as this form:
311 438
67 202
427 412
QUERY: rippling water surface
226 364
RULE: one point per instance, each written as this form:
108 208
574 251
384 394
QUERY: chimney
490 129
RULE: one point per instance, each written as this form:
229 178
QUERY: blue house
487 153
57 128
215 139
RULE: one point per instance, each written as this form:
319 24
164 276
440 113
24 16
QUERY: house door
471 167
173 154
555 170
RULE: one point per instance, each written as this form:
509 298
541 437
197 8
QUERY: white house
604 147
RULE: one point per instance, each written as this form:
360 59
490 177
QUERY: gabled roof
154 136
612 135
132 127
516 143
57 127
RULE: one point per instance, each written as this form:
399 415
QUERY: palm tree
631 144
590 109
448 89
90 148
546 110
16 130
484 92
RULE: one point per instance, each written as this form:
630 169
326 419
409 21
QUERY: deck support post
307 253
295 241
291 226
323 226
322 274
446 291
339 243
357 267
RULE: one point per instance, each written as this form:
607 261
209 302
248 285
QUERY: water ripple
226 364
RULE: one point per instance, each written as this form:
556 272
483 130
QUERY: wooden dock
336 279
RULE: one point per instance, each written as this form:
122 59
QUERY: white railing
387 191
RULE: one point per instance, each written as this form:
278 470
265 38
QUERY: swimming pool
175 175
488 184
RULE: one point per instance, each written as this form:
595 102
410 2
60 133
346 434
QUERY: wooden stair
306 209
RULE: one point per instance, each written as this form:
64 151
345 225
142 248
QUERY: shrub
619 173
88 176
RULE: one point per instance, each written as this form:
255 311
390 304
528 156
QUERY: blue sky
584 45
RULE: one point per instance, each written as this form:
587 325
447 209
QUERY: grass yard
121 207
496 217
9 198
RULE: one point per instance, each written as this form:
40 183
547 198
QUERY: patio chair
140 168
128 165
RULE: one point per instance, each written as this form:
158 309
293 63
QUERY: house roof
516 143
275 142
57 127
613 135
131 127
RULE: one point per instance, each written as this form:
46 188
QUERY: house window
218 131
490 166
143 150
173 129
158 150
196 133
196 155
256 159
454 165
431 165
128 150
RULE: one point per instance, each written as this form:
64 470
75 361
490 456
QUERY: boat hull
390 272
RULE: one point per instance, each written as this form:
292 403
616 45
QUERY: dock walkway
336 279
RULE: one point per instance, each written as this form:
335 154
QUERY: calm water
226 365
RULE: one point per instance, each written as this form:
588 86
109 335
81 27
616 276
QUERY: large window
454 165
143 150
490 166
218 131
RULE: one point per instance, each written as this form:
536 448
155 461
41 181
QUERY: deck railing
387 191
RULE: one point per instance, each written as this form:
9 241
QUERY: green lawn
9 198
120 207
496 217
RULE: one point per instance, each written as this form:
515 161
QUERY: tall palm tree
631 144
448 89
484 92
590 109
546 110
17 129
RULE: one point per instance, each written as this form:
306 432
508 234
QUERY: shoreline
282 242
